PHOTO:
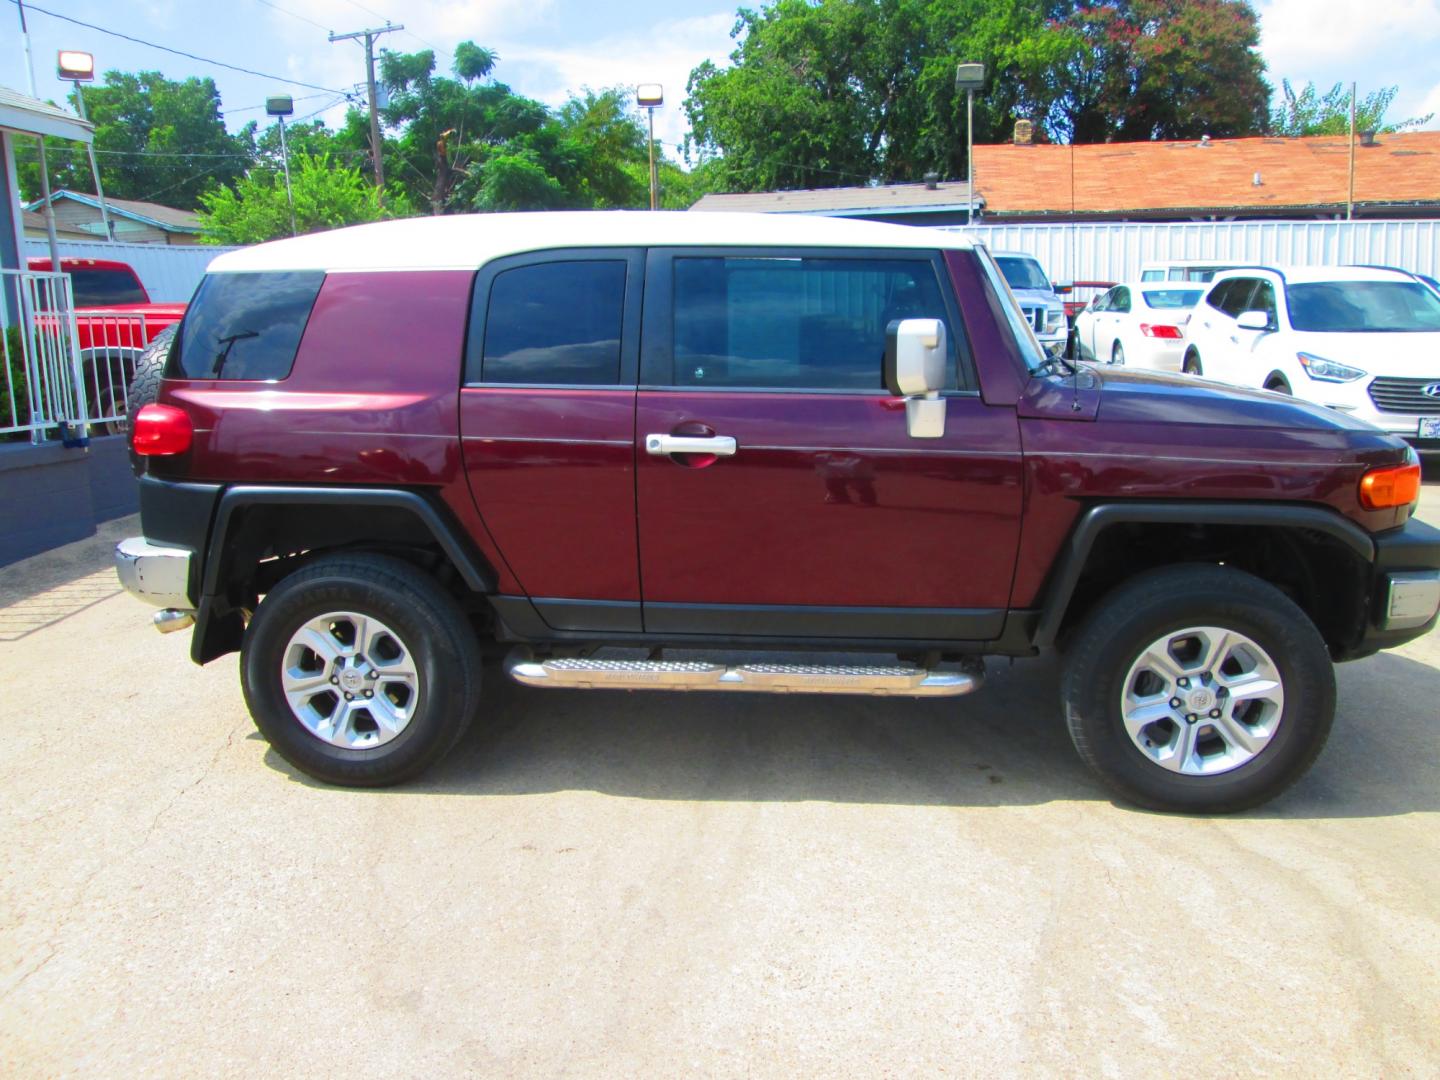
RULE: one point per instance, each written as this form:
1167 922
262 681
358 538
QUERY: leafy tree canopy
155 139
833 92
327 195
1311 113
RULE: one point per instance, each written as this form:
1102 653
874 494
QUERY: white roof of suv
465 242
1299 275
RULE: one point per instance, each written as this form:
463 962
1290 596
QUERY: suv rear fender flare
1071 563
219 625
452 541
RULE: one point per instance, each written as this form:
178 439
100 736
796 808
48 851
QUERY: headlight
1054 319
1322 370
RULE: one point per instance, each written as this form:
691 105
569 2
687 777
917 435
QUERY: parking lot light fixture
650 96
969 77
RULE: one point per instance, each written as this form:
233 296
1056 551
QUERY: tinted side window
802 323
1216 299
556 322
245 326
1264 300
1237 300
1120 299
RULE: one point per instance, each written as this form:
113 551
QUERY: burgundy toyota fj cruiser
586 440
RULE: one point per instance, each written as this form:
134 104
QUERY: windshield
1173 298
105 288
1364 307
1022 273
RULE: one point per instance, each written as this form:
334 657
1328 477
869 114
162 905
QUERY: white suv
1362 340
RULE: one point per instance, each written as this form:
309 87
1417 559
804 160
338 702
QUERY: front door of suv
803 508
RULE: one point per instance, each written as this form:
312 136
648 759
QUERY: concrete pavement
617 884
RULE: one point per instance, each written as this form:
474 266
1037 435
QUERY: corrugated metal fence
169 272
1116 251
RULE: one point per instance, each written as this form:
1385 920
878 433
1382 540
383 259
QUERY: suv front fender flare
1096 519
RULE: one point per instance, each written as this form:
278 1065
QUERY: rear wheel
1200 689
1277 384
1117 353
360 670
1192 364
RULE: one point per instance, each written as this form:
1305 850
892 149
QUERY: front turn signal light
1382 489
161 430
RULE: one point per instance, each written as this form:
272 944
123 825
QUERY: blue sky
550 47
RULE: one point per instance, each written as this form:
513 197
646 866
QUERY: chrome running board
877 681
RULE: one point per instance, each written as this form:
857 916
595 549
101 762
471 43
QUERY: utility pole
40 142
1350 196
370 36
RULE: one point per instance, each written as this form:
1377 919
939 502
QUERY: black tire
429 621
1278 385
1117 354
145 382
1127 621
1192 364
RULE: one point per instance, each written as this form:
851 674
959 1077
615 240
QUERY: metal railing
44 383
63 370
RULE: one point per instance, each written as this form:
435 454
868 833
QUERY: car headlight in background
1054 319
1322 370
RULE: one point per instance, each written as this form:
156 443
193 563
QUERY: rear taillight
1161 330
161 430
1382 489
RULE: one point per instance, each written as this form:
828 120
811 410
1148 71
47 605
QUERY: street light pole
95 169
651 96
969 77
280 107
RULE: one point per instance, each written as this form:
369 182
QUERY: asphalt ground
623 884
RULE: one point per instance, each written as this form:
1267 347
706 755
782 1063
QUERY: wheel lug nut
373 675
371 693
1174 703
1214 714
1183 682
335 679
1190 719
351 697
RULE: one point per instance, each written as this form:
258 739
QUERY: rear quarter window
245 326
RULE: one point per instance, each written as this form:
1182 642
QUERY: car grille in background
1035 316
1404 395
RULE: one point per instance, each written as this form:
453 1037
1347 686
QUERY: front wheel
1117 354
360 670
1192 364
1200 689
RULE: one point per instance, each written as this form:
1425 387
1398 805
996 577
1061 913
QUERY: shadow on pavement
1004 746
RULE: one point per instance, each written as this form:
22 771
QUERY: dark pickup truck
620 449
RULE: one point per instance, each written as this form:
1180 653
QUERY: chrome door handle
719 445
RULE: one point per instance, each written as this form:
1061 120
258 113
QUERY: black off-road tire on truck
360 670
1167 690
145 382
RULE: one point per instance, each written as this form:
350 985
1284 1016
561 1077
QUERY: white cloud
1310 35
665 53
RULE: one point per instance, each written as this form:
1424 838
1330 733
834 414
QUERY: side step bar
877 681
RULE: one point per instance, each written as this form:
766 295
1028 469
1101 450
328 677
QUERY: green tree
155 139
836 92
1156 69
1311 113
327 195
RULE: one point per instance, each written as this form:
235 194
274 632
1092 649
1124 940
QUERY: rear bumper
157 575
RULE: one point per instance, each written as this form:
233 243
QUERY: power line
253 108
178 52
293 15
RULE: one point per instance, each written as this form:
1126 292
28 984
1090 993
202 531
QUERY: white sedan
1142 325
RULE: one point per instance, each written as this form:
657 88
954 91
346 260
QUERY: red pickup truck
115 319
618 449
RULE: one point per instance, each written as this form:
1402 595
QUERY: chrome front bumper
1412 599
157 575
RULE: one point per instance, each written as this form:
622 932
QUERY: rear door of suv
547 419
797 505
